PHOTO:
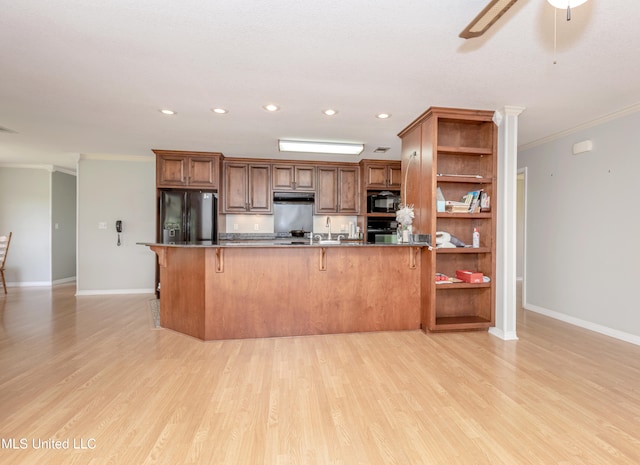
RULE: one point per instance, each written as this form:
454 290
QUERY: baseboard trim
621 335
114 291
30 284
504 335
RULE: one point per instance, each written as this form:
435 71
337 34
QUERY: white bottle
476 238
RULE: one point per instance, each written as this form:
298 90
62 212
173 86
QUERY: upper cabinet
338 190
247 187
286 177
380 174
190 170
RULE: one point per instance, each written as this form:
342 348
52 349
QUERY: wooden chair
4 248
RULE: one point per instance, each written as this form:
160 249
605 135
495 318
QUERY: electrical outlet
102 225
343 228
235 226
256 227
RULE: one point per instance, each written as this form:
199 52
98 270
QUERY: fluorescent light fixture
307 146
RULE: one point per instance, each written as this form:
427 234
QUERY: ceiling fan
496 8
486 18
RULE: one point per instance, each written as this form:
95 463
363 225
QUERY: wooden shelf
464 179
463 250
444 150
453 286
456 323
463 215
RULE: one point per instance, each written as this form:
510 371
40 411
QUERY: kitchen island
264 289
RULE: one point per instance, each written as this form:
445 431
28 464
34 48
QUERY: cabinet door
203 172
283 178
327 195
260 188
376 176
394 175
305 178
172 171
348 192
236 188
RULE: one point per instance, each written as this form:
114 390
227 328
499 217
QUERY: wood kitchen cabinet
286 177
187 170
338 190
381 174
454 150
247 187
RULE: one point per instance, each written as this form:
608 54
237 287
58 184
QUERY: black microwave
383 202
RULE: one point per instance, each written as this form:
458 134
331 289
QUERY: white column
505 279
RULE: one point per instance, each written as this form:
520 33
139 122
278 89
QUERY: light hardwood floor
92 370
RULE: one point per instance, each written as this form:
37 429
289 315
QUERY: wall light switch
256 227
235 226
102 225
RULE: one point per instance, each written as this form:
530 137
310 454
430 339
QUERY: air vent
7 130
382 150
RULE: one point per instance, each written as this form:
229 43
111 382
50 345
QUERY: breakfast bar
245 290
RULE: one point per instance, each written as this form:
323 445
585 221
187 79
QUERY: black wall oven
380 227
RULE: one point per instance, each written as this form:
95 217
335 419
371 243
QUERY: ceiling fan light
564 4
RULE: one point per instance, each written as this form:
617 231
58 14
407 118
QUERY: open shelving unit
456 151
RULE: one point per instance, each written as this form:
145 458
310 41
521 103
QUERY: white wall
582 228
25 196
520 227
63 228
110 190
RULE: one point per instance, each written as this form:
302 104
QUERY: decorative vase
405 236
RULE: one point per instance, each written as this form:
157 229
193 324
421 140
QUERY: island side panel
264 292
182 290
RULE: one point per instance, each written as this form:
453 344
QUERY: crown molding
596 122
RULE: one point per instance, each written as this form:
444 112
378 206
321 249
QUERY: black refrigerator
188 216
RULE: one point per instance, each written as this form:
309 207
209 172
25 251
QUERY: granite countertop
282 244
280 240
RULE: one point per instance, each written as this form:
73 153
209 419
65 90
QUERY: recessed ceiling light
220 111
167 112
329 112
271 107
383 115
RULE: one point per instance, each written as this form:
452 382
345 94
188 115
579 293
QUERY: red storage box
472 277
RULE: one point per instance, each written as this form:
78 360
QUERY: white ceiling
88 77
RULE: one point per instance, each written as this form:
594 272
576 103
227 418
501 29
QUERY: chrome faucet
328 225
